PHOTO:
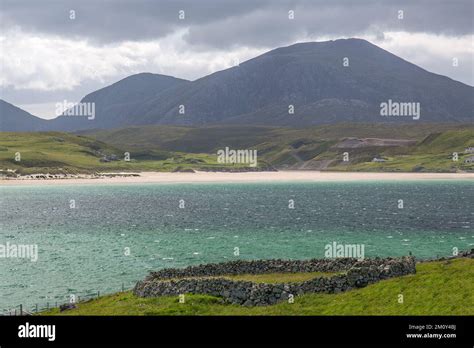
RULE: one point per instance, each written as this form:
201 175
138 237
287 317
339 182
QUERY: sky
60 50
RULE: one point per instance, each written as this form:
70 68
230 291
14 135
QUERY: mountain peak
330 45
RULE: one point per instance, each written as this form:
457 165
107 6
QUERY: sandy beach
221 177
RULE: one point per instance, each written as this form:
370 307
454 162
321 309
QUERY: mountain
14 119
310 77
115 104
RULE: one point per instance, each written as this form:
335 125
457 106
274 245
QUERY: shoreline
243 177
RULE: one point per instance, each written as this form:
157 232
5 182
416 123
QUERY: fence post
36 308
98 294
122 288
47 305
21 309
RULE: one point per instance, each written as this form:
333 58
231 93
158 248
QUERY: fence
23 310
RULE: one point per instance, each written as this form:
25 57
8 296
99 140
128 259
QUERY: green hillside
407 148
434 153
208 139
55 153
425 147
437 288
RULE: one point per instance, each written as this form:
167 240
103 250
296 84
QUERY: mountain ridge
326 82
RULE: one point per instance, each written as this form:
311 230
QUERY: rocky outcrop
208 279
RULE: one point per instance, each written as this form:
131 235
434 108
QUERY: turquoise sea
117 233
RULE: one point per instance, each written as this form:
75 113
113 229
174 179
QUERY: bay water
99 237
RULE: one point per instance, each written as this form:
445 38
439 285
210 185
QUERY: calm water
83 250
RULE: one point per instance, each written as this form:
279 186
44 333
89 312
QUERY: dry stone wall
205 279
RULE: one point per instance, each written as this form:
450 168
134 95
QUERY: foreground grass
438 288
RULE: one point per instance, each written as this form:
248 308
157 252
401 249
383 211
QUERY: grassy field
270 278
275 278
438 288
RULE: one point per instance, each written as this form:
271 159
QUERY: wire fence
21 310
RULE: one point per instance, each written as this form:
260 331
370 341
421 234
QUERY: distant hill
310 77
14 119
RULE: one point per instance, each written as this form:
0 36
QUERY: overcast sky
55 50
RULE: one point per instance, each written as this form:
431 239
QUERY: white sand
211 177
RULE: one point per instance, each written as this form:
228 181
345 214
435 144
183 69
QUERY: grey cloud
115 21
271 26
261 23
